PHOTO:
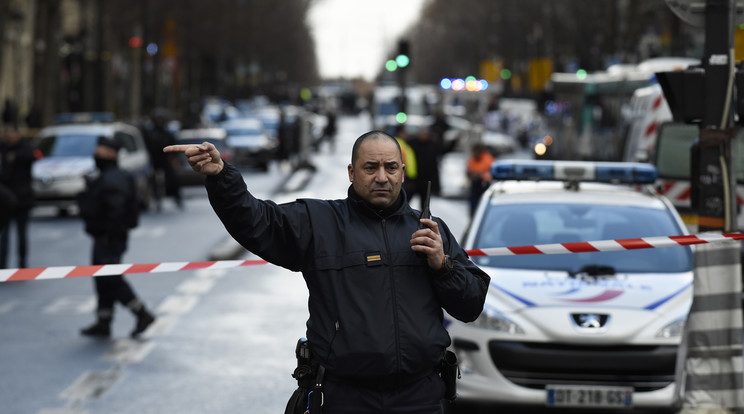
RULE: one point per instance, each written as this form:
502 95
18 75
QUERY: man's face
379 172
104 152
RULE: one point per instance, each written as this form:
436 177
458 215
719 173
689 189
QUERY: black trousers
420 397
21 220
110 289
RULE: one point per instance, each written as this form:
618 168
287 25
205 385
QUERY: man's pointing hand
203 158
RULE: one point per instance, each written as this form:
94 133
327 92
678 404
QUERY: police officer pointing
377 284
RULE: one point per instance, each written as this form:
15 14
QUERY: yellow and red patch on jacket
373 258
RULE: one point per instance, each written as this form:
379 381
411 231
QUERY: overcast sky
352 36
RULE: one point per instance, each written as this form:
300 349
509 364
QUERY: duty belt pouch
315 398
450 373
308 397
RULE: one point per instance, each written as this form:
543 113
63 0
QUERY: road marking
92 384
129 351
195 286
67 305
214 273
8 306
162 326
149 232
177 304
50 234
297 181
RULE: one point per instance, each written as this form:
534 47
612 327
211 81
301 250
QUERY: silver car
68 158
251 144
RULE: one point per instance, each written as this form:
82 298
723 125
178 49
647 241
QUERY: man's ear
351 173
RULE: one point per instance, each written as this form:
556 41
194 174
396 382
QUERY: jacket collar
363 206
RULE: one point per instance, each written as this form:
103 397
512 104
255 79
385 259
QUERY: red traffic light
135 41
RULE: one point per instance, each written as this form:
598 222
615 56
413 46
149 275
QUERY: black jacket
15 170
375 306
109 204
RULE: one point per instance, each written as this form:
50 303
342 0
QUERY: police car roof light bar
575 171
83 117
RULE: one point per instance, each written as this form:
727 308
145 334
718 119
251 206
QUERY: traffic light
404 57
684 91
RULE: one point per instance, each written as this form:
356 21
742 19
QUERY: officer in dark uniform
157 138
8 202
16 158
109 208
378 283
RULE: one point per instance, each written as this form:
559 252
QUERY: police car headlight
466 363
673 330
496 321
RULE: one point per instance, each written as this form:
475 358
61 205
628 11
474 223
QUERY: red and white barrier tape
60 272
607 245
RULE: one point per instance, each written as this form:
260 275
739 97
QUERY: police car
67 148
594 329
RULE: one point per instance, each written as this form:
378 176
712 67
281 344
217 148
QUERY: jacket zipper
393 296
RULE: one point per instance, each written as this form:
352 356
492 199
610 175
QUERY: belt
380 382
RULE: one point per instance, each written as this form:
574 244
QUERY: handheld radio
425 213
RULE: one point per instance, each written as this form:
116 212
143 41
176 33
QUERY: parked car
186 175
251 144
592 330
67 150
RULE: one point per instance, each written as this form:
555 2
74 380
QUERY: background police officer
16 158
109 208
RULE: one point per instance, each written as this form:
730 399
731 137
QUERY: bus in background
590 116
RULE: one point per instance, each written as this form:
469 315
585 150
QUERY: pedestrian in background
479 173
110 209
429 153
17 156
10 113
409 159
8 203
439 127
157 138
329 131
378 283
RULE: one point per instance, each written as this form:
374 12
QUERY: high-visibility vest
409 158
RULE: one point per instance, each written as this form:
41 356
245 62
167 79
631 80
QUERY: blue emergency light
576 171
83 117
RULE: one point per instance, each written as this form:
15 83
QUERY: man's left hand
429 242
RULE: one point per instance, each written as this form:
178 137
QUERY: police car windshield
544 223
71 145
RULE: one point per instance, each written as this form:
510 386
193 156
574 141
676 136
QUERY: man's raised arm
203 158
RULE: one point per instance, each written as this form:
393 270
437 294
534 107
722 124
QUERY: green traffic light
402 60
391 66
401 117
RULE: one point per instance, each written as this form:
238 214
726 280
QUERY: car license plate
589 396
